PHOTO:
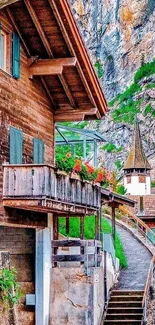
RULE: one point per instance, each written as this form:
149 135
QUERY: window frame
4 59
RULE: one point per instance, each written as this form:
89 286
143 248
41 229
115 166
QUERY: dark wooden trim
18 31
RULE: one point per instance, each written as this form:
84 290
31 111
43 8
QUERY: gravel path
139 258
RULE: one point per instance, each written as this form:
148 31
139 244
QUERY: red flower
77 166
68 154
101 176
90 169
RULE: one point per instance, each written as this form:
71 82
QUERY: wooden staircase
125 307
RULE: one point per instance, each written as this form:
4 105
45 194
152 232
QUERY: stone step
124 310
127 293
126 304
124 316
123 322
126 298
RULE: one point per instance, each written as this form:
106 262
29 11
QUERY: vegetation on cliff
132 101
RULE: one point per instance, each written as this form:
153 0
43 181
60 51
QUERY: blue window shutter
16 56
38 151
16 146
41 152
35 151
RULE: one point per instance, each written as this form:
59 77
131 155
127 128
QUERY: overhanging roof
108 196
58 58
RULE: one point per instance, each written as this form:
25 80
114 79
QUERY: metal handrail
146 290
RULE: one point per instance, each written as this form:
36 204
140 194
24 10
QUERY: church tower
137 180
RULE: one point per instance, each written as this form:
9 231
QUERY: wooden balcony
41 188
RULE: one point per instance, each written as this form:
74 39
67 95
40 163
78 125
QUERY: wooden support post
67 226
113 224
97 226
82 227
55 234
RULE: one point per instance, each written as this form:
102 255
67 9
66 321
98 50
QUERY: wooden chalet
45 77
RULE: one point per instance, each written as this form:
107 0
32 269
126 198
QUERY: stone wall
77 298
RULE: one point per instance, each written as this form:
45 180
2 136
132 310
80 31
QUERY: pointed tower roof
137 158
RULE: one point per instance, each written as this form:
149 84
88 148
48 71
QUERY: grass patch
145 70
89 233
128 94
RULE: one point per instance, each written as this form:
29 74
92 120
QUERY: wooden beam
48 93
50 67
48 49
67 90
69 117
73 114
39 27
39 69
18 31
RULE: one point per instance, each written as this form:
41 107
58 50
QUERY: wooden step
126 298
124 316
124 310
127 293
126 304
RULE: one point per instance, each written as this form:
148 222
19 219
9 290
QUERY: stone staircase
125 307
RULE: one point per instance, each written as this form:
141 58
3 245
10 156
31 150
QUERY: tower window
128 179
142 179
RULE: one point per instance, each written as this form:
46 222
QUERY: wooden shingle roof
58 57
137 158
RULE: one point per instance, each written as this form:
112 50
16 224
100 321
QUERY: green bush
118 164
145 71
99 69
10 290
126 113
89 233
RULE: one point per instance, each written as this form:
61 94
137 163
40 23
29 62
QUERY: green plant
153 184
129 92
10 290
145 71
118 164
150 86
110 147
99 69
121 189
126 113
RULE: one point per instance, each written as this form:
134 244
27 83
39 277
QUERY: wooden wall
24 105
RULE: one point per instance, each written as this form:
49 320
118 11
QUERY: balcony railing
51 188
87 252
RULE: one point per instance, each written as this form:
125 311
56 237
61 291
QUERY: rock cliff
120 36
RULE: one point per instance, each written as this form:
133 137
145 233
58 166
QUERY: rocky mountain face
120 37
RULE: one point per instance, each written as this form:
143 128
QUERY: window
128 179
10 52
142 179
38 151
16 146
3 45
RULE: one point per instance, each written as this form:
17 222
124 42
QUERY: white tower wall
135 187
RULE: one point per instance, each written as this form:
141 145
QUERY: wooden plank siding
25 106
